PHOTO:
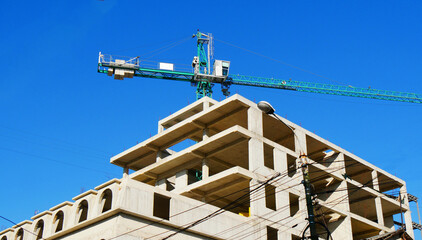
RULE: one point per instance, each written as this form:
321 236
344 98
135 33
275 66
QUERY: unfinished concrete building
227 155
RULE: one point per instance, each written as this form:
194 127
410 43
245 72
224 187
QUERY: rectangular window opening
268 156
194 175
161 206
294 204
270 198
294 237
291 165
272 233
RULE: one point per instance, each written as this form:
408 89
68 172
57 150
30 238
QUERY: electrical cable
54 140
190 209
166 48
381 183
327 231
219 211
268 215
244 234
155 43
284 63
347 195
300 146
226 209
251 197
301 211
318 170
300 183
21 228
327 173
56 161
51 147
263 218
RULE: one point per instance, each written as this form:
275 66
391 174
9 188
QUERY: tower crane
204 79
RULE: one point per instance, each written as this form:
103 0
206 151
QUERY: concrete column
342 229
161 184
282 200
125 172
205 133
256 230
302 203
160 128
378 205
256 155
162 154
159 156
336 195
255 146
181 179
280 161
345 228
257 203
206 105
338 163
205 169
300 141
255 121
407 214
284 235
282 197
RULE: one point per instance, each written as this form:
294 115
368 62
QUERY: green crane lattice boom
202 78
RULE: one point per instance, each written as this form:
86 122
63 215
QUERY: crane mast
204 78
201 65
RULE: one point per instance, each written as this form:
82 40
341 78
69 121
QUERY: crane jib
131 67
326 89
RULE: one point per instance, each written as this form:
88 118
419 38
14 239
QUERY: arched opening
106 200
58 221
19 234
4 238
39 229
83 211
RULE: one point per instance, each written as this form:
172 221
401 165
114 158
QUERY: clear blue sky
62 121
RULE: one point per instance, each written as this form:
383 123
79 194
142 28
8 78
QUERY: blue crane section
325 88
204 79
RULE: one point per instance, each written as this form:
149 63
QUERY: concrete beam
210 154
225 116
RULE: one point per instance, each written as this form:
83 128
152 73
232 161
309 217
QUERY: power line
146 45
190 209
55 140
239 203
166 48
301 211
52 146
21 228
250 192
259 194
56 161
282 62
219 211
251 200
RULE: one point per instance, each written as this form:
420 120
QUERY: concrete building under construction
236 175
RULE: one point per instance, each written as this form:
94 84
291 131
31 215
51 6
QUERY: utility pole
307 184
266 108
